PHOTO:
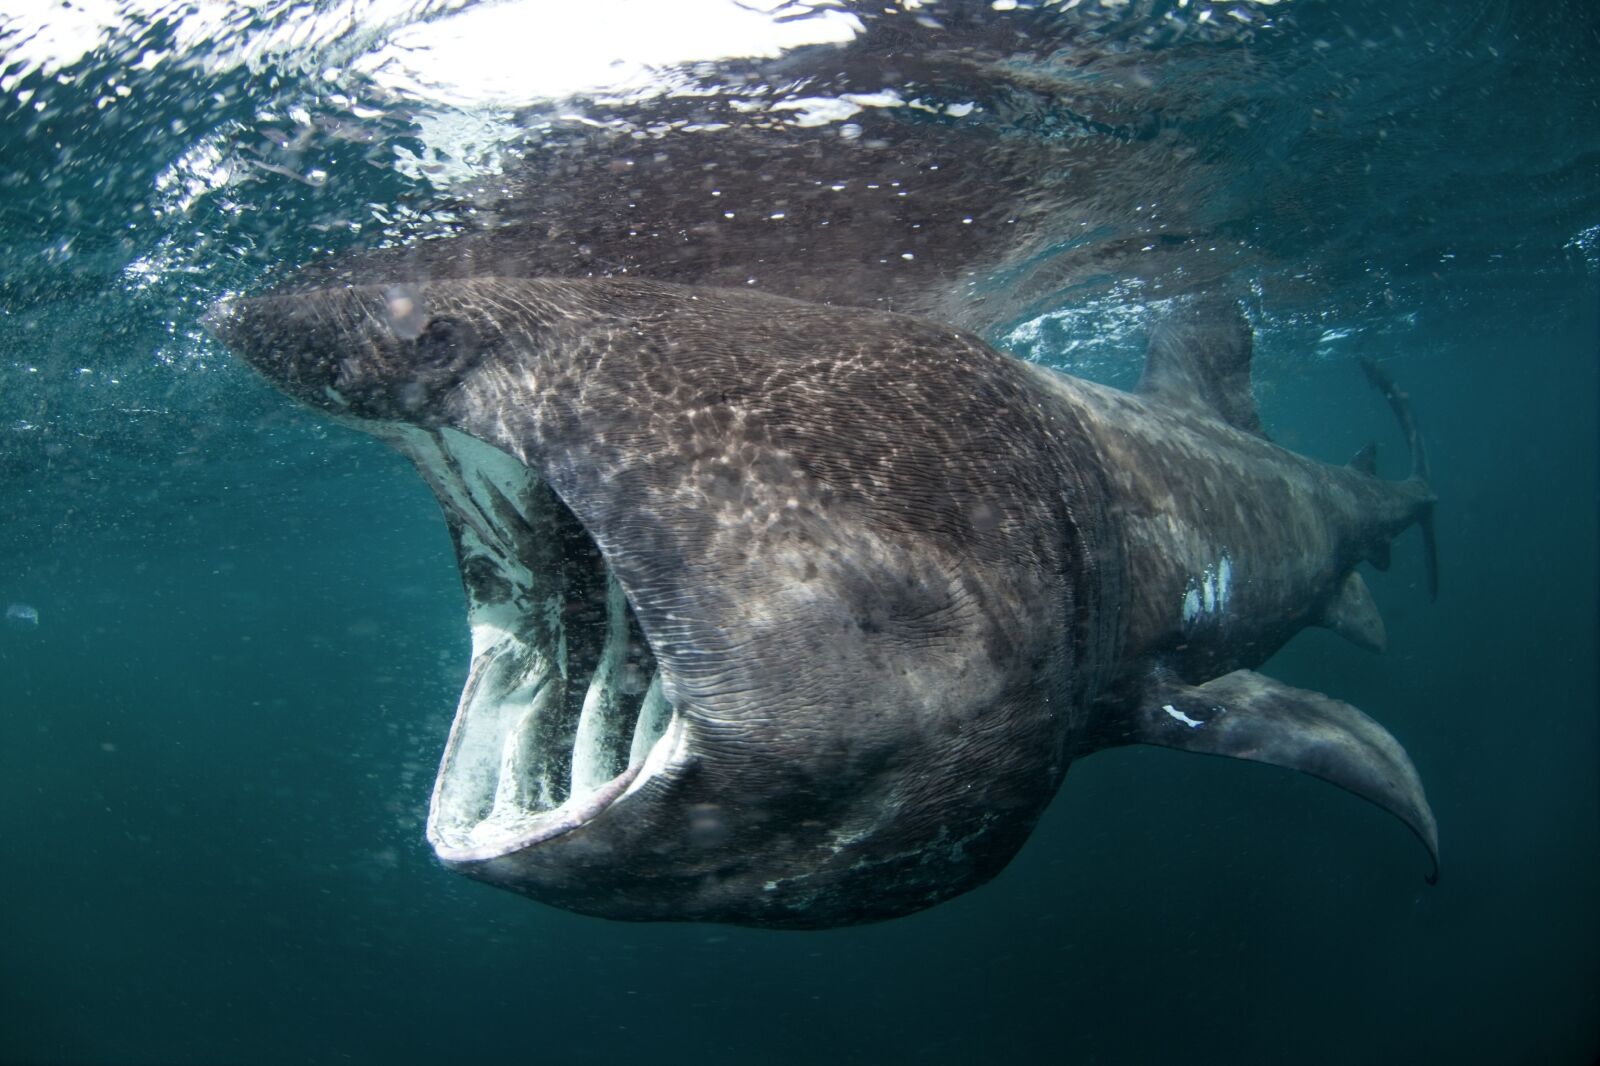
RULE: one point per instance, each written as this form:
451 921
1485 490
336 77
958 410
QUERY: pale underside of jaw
563 712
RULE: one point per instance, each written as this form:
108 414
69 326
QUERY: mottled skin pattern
894 580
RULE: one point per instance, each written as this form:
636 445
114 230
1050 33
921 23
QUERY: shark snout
219 321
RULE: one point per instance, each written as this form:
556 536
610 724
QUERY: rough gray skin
892 581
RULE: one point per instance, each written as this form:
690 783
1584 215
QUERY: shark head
775 608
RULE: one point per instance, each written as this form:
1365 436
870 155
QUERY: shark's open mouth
563 712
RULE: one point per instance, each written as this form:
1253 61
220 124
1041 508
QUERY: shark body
795 615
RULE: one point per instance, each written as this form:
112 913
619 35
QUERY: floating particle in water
22 614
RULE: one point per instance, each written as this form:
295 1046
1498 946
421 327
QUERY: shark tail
1419 481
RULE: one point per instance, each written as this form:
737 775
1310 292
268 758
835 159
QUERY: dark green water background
217 744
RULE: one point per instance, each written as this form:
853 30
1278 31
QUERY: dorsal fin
1199 359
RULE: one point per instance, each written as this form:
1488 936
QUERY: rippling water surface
234 635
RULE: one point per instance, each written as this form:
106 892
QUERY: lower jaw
532 830
460 836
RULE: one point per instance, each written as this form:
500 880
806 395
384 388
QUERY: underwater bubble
22 614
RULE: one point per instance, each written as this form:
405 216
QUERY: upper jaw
563 715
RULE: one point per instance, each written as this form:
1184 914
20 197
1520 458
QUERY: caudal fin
1400 404
1430 550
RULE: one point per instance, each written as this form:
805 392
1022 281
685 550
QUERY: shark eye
443 340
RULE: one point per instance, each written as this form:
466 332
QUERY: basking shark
795 615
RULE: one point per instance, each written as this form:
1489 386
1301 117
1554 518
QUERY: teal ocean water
234 631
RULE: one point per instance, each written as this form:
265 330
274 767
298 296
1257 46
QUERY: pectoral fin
1247 716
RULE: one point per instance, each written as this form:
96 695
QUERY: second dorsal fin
1199 358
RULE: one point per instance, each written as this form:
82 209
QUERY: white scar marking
1191 605
1180 716
1208 594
